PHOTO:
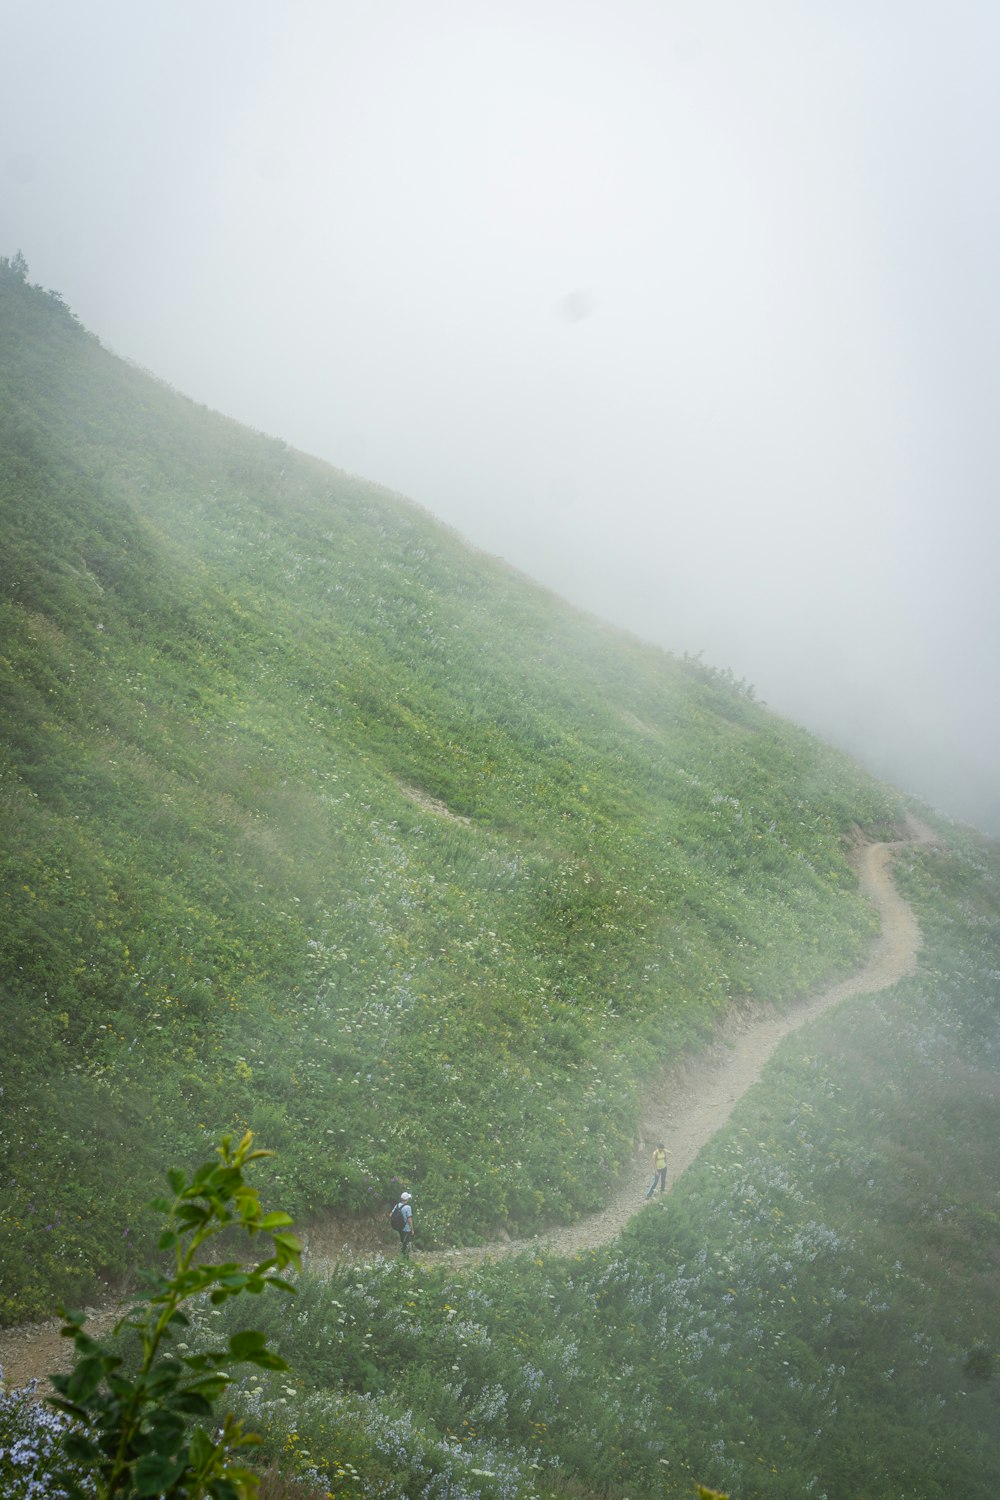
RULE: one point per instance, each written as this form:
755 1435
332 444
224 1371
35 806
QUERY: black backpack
396 1219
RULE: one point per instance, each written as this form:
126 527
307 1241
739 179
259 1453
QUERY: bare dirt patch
431 804
634 722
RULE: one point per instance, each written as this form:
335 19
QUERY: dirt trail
688 1106
692 1101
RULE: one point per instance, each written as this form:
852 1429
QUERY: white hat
404 1197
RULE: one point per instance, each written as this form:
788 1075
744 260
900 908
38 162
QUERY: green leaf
290 1242
80 1449
155 1473
85 1378
285 1286
83 1341
162 1375
191 1281
165 1432
223 1489
249 1342
199 1362
210 1383
275 1220
201 1448
267 1360
192 1403
191 1213
177 1181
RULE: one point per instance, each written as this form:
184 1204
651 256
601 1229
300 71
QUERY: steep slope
317 821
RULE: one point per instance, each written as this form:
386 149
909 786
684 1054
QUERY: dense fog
688 310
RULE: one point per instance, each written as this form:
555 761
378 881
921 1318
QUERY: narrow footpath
694 1100
685 1109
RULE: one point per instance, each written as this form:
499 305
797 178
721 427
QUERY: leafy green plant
144 1434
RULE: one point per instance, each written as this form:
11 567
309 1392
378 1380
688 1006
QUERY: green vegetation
120 1435
317 823
812 1311
142 1436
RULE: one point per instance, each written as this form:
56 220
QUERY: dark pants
405 1241
659 1176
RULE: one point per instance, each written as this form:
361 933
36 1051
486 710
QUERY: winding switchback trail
689 1104
693 1100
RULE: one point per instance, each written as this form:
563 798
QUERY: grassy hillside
813 1311
316 821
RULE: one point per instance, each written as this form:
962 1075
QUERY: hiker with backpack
401 1219
659 1169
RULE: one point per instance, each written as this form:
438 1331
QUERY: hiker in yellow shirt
659 1169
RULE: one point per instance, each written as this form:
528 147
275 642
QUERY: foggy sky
689 310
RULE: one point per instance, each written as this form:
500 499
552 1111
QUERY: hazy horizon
688 311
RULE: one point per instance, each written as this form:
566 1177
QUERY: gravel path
690 1103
